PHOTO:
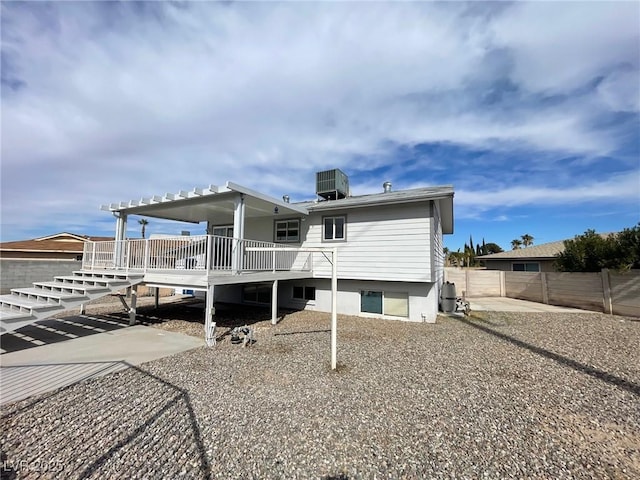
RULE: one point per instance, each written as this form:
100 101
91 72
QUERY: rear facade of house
390 255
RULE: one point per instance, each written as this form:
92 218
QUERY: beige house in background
536 258
60 246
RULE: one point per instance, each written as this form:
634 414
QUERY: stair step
87 289
71 280
6 314
24 302
63 296
109 275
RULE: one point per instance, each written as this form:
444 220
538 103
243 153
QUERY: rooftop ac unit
332 184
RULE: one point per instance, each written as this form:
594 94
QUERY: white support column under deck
274 303
209 324
134 303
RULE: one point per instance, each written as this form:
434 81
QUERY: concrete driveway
48 367
504 304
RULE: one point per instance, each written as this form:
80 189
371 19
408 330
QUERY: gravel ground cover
496 395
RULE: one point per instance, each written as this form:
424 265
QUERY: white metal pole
334 308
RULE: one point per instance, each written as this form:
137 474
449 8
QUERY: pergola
232 204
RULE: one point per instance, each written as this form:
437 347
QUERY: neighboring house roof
538 252
543 251
59 242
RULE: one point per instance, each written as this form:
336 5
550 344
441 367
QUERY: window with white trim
386 303
334 228
287 231
304 293
525 267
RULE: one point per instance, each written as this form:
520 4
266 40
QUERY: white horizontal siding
383 243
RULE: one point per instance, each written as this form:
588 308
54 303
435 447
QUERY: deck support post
83 309
274 303
209 324
121 234
157 299
134 303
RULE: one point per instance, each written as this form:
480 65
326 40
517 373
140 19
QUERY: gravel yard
492 396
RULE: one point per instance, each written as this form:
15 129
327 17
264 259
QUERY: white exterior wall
262 228
395 248
437 252
390 243
423 300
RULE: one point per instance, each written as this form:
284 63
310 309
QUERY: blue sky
530 110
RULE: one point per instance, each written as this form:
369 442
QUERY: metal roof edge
389 198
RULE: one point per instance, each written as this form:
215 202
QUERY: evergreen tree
591 252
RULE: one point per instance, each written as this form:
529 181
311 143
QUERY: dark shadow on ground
227 317
54 330
561 359
157 432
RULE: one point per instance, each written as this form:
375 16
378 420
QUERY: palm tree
527 240
456 259
516 244
144 222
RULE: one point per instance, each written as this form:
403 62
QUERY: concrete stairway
28 305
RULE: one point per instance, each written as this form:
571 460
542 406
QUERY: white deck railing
203 253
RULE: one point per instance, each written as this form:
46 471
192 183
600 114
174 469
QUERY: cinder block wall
16 273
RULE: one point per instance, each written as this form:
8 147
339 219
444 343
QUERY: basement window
395 304
304 293
525 267
256 293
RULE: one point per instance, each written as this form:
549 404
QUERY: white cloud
620 91
563 46
617 189
124 100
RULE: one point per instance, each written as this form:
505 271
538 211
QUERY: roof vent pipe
285 198
387 187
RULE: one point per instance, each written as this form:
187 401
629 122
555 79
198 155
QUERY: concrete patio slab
505 304
42 369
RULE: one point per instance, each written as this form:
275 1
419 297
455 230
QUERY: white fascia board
338 205
280 203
